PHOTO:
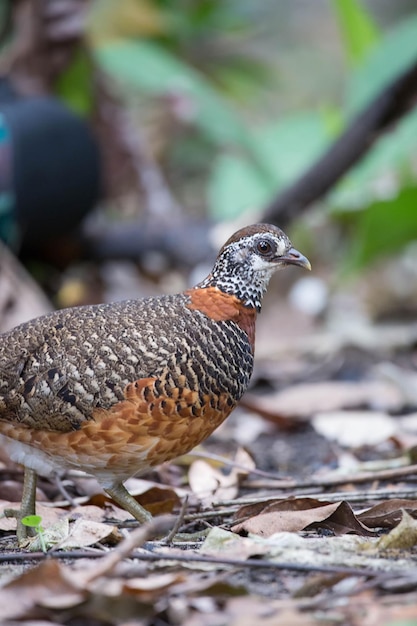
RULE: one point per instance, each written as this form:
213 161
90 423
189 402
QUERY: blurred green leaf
292 144
384 170
384 228
359 31
289 146
387 167
204 19
395 52
243 78
234 187
153 70
75 84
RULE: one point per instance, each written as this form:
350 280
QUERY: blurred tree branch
387 108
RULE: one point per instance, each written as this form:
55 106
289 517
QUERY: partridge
116 389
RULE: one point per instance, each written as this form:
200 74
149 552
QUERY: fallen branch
340 479
124 550
11 557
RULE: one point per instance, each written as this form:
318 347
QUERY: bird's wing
55 371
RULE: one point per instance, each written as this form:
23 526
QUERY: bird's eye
264 247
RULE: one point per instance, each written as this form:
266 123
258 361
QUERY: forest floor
306 496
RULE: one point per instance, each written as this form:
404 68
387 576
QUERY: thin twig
230 463
68 499
192 517
180 520
124 550
330 481
382 494
192 558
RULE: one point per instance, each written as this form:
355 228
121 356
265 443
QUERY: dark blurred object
48 55
176 244
45 41
54 168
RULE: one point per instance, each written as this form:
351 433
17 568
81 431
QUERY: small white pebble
309 295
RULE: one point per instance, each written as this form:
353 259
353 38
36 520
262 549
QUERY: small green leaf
384 228
390 160
388 163
33 521
396 51
359 31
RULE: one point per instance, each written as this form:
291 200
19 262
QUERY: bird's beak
293 257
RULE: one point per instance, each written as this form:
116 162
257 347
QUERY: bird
116 389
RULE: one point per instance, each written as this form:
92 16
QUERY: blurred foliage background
235 99
238 98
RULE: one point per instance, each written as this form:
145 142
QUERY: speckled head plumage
247 261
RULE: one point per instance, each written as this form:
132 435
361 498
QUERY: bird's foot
22 532
27 507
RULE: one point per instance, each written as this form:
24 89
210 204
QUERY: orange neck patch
222 307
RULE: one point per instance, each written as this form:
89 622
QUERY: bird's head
248 259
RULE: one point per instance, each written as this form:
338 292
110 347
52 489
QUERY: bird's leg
120 494
27 506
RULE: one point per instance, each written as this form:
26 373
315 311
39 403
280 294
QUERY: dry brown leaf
10 490
295 514
50 515
228 544
84 532
402 537
387 514
304 400
87 512
21 298
217 584
286 423
247 611
211 484
153 586
354 429
46 583
157 500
